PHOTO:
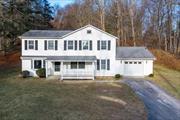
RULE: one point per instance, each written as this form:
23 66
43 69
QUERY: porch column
61 70
93 68
46 67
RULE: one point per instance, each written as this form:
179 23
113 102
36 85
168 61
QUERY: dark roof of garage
45 33
133 53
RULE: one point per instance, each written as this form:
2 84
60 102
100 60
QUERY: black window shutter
80 45
98 45
90 44
44 64
76 45
36 45
109 45
98 64
108 64
56 45
45 45
65 45
25 44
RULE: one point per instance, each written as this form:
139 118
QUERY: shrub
151 75
117 76
25 74
41 72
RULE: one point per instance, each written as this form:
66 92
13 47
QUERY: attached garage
135 61
133 68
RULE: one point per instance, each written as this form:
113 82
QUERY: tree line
151 23
18 16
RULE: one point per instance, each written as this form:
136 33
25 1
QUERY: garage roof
133 53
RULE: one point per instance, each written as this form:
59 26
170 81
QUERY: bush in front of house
117 76
41 72
25 73
151 75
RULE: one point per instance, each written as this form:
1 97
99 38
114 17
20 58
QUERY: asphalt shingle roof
133 53
45 33
65 58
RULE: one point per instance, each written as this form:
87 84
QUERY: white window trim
73 44
29 44
48 44
41 63
88 45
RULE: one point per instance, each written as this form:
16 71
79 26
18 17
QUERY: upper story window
51 45
103 45
31 45
70 45
85 45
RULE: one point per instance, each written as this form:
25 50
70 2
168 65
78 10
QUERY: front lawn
38 99
168 79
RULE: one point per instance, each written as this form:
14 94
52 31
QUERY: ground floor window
57 66
77 65
103 64
37 64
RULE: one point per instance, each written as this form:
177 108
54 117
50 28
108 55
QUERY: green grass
168 79
38 99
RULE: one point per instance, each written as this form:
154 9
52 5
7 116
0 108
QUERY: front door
57 68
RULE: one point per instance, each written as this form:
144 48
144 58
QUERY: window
103 45
85 45
31 44
103 64
126 62
130 62
135 62
139 62
81 65
73 65
88 31
37 64
70 45
51 45
57 66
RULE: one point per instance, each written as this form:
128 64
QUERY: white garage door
133 68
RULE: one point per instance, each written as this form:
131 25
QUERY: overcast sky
61 3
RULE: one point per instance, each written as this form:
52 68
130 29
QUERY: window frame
68 45
84 65
103 47
72 67
59 69
88 45
32 44
34 66
53 43
105 64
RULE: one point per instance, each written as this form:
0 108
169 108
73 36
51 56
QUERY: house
84 53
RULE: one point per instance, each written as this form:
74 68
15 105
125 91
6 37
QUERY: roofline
74 31
92 27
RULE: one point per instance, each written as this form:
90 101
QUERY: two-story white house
85 53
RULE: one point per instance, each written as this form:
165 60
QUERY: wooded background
151 23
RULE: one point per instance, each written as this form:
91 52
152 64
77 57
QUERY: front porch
71 68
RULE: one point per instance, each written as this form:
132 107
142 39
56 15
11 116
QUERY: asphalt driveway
160 105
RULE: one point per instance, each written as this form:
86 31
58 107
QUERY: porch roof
72 58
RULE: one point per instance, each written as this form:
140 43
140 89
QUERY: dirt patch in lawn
40 99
